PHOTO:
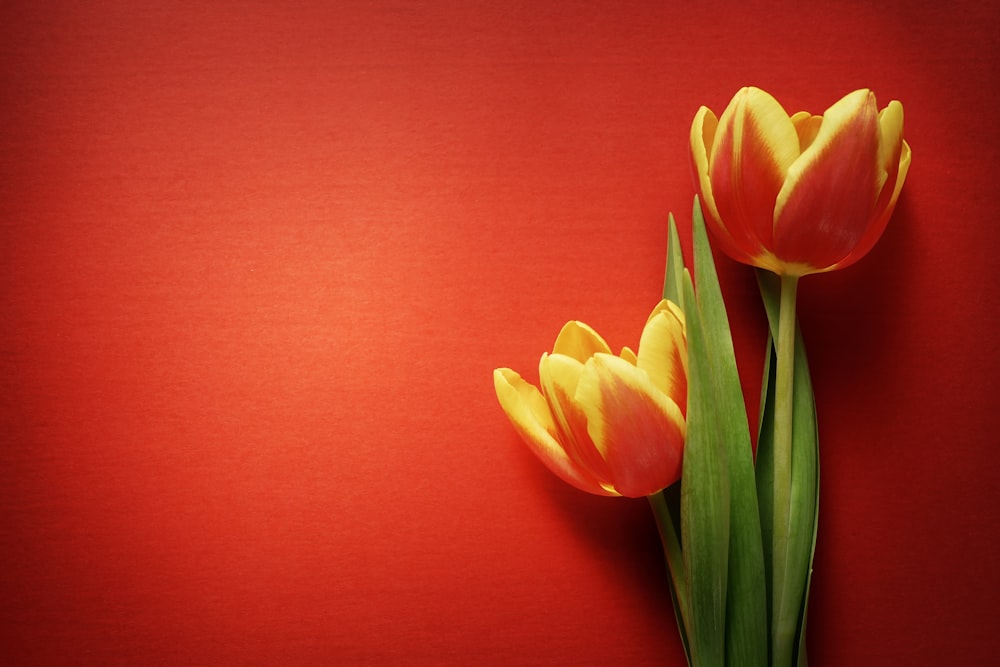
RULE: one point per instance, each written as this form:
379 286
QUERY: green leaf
673 278
705 501
801 545
665 505
746 604
765 466
722 552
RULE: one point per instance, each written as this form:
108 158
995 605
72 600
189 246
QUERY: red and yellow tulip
609 425
799 194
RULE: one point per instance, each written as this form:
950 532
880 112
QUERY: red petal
638 428
897 157
754 146
703 130
829 197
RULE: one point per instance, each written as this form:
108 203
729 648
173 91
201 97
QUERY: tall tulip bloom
799 194
796 195
609 425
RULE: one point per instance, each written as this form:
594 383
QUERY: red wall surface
259 260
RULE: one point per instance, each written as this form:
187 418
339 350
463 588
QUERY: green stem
675 563
784 613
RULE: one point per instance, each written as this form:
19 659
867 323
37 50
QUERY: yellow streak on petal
890 121
663 351
904 167
807 127
579 341
560 376
527 410
824 207
604 374
529 413
638 429
837 119
628 355
756 144
702 137
665 305
767 114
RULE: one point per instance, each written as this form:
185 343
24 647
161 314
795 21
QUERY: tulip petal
579 341
663 352
560 375
638 429
527 410
894 156
884 209
755 145
807 127
629 356
890 121
703 129
826 204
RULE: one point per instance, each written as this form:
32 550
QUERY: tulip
609 425
801 194
796 195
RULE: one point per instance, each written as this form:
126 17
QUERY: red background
258 261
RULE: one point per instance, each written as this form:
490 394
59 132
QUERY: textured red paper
258 261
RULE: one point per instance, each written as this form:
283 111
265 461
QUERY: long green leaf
705 501
673 279
663 505
746 622
765 467
666 504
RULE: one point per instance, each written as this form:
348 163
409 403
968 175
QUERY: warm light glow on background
257 264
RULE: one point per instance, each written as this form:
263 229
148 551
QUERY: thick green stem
784 612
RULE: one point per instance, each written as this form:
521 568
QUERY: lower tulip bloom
799 194
609 425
